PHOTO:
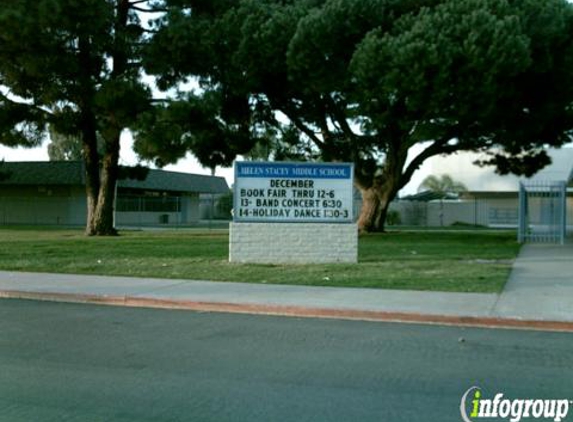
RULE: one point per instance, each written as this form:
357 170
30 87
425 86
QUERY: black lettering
277 193
302 193
290 183
267 203
253 192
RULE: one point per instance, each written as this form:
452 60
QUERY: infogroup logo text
513 410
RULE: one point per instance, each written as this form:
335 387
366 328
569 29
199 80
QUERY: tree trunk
101 179
101 203
92 168
375 202
92 192
369 211
102 223
376 198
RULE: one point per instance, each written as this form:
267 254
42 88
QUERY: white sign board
293 192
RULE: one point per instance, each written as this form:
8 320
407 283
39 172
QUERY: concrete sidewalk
539 294
540 286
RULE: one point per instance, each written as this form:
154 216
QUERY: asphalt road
62 362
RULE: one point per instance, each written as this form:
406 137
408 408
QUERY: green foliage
64 147
20 125
69 147
170 131
225 204
361 81
40 59
364 81
62 61
393 218
451 61
4 175
442 185
74 66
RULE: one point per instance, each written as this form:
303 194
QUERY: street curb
292 311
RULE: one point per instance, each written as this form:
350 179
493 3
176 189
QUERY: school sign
293 192
293 213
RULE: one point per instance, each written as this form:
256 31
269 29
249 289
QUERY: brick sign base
293 243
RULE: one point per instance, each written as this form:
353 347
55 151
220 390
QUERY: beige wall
137 218
65 205
189 214
447 213
483 212
190 208
498 212
57 205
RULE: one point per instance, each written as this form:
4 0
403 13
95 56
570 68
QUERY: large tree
367 81
74 66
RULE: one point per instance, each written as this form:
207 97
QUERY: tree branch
304 129
143 10
160 100
438 147
35 107
324 130
339 117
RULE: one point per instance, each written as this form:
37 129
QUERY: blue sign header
293 170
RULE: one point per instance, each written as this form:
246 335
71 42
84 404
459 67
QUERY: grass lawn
461 261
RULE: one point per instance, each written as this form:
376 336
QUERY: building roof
178 182
71 173
42 173
427 196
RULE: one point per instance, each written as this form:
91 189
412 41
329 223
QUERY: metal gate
542 212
